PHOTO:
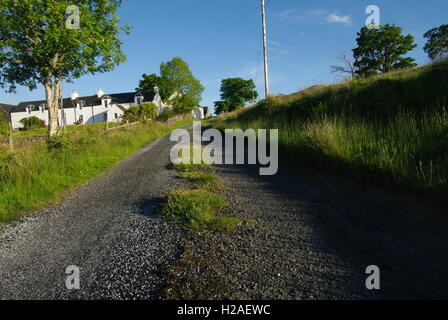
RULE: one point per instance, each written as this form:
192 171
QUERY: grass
391 129
197 210
33 178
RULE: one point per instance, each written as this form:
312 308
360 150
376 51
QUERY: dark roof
117 98
6 107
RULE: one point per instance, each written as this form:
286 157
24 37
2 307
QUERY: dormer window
42 107
81 104
106 101
30 108
139 98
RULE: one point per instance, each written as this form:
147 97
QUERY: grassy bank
33 177
390 129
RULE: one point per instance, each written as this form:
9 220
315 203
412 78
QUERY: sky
222 39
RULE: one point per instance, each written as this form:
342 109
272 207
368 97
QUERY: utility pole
266 75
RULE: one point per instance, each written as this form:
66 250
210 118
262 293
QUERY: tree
437 45
48 42
177 75
347 65
184 104
153 80
235 93
381 50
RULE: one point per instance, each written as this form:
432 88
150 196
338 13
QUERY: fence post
11 143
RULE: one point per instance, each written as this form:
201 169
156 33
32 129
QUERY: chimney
100 93
74 95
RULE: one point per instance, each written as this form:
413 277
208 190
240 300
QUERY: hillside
391 128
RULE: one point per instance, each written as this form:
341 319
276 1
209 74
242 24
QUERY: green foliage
381 50
390 129
7 162
144 112
175 77
235 93
184 104
165 116
437 45
197 210
150 81
38 48
4 128
38 45
32 123
37 178
178 74
57 143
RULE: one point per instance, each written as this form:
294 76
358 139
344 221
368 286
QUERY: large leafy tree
177 74
177 79
437 45
153 80
42 43
382 50
235 93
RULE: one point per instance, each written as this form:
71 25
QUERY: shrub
57 143
32 123
142 113
165 116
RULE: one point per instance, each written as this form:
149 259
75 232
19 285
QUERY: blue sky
221 39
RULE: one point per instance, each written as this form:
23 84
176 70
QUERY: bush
142 113
57 143
165 116
32 123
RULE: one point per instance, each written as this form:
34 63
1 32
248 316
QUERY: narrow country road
107 228
313 237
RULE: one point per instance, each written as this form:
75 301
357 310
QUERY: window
81 118
106 101
81 104
139 99
30 108
42 107
116 116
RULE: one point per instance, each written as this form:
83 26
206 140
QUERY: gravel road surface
107 228
306 236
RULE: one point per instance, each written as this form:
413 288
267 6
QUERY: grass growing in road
197 210
33 177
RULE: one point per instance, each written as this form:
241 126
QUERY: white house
201 113
87 110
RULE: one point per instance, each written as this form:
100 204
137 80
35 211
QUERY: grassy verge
33 177
389 129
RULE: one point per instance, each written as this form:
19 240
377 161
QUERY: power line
228 27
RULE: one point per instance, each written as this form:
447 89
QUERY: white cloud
337 18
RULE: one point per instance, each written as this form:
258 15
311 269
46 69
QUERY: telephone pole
266 75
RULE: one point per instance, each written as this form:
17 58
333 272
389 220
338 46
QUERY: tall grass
391 128
33 177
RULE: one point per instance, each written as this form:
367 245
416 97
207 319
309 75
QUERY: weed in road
197 210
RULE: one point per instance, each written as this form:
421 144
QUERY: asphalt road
313 238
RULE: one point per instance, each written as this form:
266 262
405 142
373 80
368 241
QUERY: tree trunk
53 96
